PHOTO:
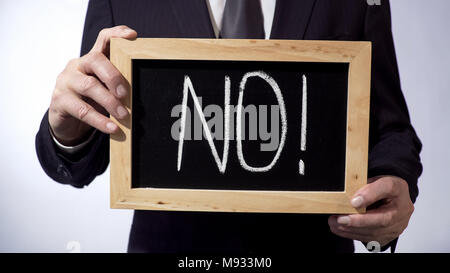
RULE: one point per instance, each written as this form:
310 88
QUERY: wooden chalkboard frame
357 54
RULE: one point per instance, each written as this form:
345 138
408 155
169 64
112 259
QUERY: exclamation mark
301 164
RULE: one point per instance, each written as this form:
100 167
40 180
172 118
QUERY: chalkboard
244 130
158 90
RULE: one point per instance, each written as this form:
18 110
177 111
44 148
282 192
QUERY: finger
97 64
102 43
79 109
351 235
89 86
337 228
364 235
378 218
369 232
380 189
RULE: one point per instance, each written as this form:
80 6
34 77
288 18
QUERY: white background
37 38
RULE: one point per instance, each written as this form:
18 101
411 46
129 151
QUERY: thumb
381 188
102 43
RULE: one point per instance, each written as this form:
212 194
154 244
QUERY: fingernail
343 220
128 31
357 201
122 112
111 126
121 90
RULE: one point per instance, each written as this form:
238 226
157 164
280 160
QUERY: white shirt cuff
72 149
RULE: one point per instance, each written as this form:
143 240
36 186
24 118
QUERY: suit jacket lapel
193 18
291 19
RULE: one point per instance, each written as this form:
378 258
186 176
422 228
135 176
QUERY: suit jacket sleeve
80 169
393 144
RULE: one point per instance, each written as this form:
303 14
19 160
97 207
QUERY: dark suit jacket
394 146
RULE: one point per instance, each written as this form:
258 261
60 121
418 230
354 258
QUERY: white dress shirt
216 8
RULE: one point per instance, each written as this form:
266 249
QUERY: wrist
76 146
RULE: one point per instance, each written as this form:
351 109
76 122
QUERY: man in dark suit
73 143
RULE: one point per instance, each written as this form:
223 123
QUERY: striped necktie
242 19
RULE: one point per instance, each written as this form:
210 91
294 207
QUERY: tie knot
242 19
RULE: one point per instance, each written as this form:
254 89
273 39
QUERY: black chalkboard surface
219 125
158 88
